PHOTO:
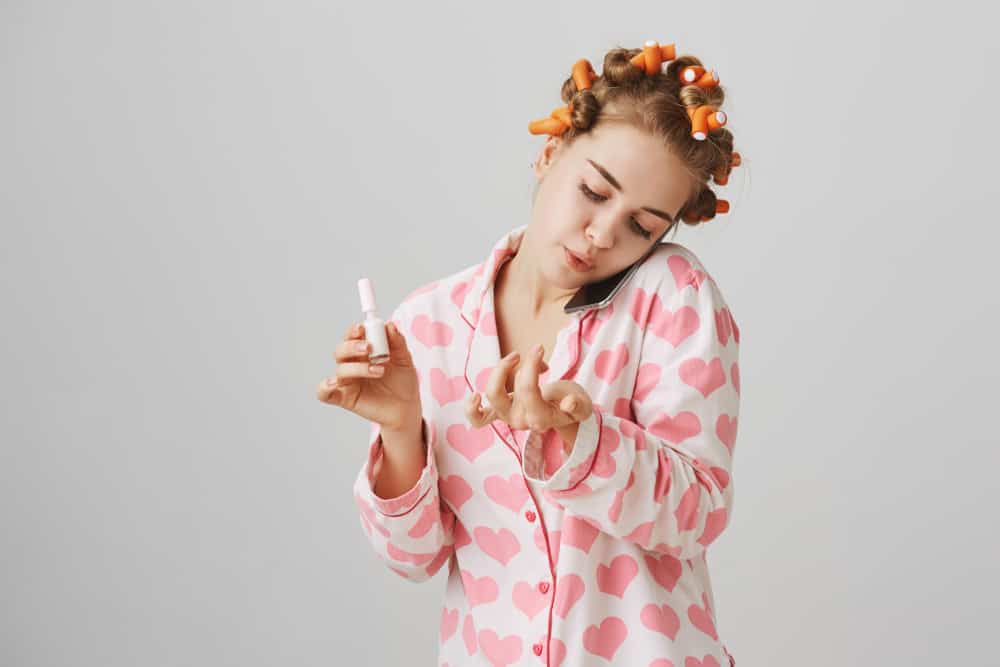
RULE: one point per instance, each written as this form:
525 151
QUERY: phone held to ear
600 293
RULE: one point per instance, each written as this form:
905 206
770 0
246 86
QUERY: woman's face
602 218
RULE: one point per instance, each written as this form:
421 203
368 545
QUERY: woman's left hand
559 405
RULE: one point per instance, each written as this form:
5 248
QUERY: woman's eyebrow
617 186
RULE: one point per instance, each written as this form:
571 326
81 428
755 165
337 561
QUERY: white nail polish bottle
374 327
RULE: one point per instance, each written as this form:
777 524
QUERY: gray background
191 189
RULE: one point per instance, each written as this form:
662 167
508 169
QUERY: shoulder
439 297
676 277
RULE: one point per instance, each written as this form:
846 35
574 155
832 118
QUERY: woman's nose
600 235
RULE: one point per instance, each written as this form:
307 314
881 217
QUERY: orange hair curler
557 122
653 56
698 76
703 119
583 74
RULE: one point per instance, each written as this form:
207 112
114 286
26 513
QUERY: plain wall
191 189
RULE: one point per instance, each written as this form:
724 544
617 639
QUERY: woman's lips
575 262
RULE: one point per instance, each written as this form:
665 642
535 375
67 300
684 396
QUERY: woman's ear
547 155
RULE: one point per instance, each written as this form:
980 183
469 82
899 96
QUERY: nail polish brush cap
367 293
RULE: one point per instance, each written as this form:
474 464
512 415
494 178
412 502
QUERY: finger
358 370
496 385
570 398
329 391
398 349
527 392
474 412
355 331
352 349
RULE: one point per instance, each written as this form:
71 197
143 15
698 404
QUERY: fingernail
376 369
361 346
331 381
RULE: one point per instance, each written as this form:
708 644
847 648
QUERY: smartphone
600 293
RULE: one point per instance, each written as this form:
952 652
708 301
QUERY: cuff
577 465
404 503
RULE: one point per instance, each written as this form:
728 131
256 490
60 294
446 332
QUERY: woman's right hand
387 394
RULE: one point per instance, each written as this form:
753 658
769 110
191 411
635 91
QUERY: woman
574 510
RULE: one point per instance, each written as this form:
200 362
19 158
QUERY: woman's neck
521 284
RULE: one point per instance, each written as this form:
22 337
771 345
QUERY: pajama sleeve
411 533
663 481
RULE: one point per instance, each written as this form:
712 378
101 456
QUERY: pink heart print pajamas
593 558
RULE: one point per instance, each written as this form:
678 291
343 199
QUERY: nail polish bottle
374 326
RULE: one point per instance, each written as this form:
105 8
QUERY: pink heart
665 569
611 362
500 652
528 599
469 442
709 661
725 429
676 429
501 545
510 493
646 381
482 377
455 490
461 535
706 378
615 511
431 333
684 273
614 579
662 619
641 533
558 653
687 510
577 532
662 486
458 293
445 389
604 464
605 639
553 542
715 522
722 325
479 591
590 325
449 623
569 589
428 517
722 475
469 634
701 619
369 515
443 556
734 372
404 556
675 326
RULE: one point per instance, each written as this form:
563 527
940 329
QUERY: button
537 648
543 586
529 515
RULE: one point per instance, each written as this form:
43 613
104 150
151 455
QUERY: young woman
574 506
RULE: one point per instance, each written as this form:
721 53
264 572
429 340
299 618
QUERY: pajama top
593 558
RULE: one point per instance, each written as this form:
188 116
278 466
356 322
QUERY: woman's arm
664 479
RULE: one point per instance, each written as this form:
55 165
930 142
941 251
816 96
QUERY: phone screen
601 292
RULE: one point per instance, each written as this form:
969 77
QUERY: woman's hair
657 105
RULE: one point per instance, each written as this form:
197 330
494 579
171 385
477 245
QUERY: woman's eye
639 229
590 193
633 224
